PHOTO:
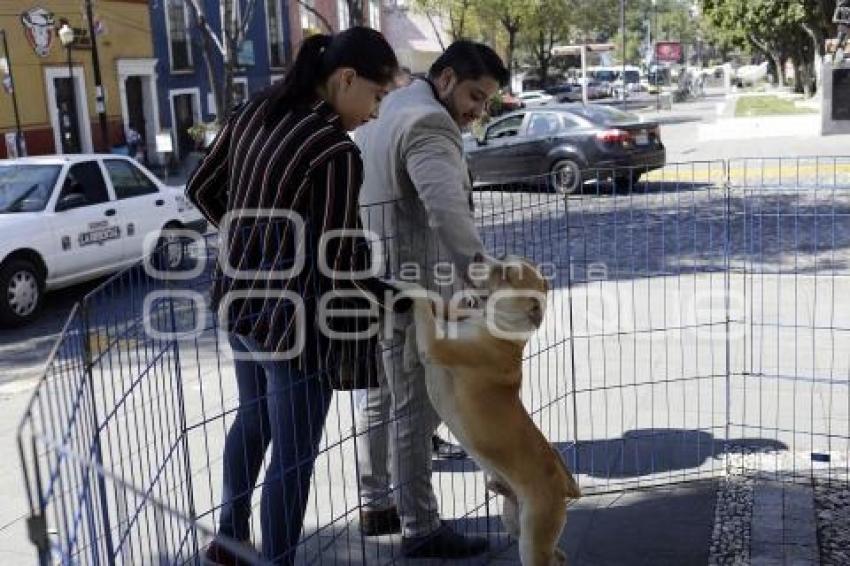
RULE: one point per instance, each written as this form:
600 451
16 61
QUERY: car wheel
565 177
170 251
22 287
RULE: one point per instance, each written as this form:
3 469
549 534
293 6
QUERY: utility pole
655 58
98 82
14 94
623 33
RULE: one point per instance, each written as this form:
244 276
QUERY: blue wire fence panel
695 326
791 268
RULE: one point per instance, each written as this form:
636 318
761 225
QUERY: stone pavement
653 527
783 526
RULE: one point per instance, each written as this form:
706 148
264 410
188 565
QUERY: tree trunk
207 54
540 55
817 57
462 20
511 45
772 55
436 31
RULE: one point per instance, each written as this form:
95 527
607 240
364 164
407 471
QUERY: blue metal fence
695 326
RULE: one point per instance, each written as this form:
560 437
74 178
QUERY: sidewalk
653 527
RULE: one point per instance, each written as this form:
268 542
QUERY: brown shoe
380 522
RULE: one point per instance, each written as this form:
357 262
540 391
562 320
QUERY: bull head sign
39 29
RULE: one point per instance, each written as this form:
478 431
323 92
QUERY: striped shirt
251 183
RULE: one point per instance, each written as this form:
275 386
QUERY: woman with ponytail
281 174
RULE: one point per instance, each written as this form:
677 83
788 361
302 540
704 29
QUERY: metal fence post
572 332
183 428
727 252
88 369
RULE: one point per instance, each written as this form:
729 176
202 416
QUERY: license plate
642 139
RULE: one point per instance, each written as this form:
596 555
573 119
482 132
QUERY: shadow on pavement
639 453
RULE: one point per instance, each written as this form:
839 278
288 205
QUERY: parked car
566 145
69 219
535 98
565 92
506 103
595 89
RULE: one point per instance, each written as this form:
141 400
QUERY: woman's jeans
279 405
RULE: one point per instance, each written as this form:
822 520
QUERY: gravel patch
730 540
832 507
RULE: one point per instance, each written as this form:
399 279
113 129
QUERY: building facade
184 95
55 88
277 28
153 70
418 39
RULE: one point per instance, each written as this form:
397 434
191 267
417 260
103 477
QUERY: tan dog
474 378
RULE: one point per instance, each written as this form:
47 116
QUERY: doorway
69 121
186 113
68 109
136 106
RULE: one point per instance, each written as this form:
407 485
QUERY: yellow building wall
127 35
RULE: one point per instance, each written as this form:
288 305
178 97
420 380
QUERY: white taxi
69 219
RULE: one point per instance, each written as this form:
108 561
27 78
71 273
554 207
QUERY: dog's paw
573 490
559 558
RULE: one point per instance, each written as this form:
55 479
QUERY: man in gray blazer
416 198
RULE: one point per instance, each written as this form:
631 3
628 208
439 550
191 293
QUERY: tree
460 14
549 23
235 17
780 29
511 16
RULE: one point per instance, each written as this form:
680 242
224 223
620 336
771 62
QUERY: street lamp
66 36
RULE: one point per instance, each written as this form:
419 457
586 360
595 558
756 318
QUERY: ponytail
299 85
360 48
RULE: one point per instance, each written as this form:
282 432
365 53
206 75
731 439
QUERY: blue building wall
258 76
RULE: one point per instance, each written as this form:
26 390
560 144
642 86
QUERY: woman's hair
360 48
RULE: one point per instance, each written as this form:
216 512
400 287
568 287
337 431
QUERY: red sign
668 52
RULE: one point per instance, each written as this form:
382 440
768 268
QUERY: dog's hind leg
541 522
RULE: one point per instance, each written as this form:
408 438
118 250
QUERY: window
507 128
87 180
179 42
240 90
572 122
127 180
543 125
309 20
375 14
343 12
26 188
274 28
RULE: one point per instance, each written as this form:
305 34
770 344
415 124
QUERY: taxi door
86 224
140 203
